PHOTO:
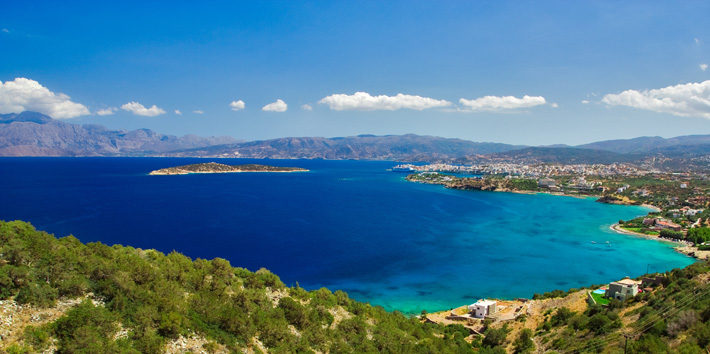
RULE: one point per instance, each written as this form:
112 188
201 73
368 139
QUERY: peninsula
213 167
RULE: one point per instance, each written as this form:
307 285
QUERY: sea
345 225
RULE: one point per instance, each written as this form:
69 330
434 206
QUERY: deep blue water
348 225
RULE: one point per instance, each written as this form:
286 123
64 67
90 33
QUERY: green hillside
94 298
137 301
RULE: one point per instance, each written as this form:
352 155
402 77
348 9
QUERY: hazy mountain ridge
408 147
35 134
647 144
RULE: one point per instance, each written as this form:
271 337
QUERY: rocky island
213 167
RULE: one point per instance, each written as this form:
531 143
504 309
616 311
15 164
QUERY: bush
38 294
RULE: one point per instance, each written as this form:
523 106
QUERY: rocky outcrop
610 199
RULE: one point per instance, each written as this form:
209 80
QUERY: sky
517 72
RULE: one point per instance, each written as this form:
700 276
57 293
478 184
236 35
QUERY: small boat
593 241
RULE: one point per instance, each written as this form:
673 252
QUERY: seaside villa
622 289
483 308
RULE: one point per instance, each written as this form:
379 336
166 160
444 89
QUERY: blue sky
511 71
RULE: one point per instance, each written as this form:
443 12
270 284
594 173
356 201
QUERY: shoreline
678 246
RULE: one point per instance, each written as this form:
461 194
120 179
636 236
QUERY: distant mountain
562 155
408 147
35 134
647 144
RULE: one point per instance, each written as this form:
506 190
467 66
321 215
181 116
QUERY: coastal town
678 200
679 214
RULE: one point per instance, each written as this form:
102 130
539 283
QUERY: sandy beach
680 247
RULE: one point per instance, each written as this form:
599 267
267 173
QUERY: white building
623 289
483 308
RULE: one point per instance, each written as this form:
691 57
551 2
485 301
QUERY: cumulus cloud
363 101
237 105
177 111
138 109
278 106
307 107
107 111
28 95
703 66
685 100
585 101
198 112
504 103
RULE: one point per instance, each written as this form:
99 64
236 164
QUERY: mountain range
35 134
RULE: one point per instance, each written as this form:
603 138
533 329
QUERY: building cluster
532 171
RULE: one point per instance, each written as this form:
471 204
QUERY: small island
213 167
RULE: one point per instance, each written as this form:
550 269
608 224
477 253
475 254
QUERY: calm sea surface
347 225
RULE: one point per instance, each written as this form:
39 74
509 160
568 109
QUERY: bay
345 225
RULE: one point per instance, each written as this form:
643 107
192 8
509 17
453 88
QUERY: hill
562 155
60 294
408 147
64 296
648 144
35 134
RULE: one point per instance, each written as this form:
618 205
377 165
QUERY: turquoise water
347 225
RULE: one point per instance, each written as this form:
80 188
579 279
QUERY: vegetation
136 301
155 298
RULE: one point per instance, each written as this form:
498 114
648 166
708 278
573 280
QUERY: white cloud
138 109
504 103
177 111
6 30
237 105
198 112
697 41
278 106
703 66
28 95
554 105
307 107
585 101
686 100
107 111
363 101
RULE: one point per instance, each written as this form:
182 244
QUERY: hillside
647 144
408 147
562 155
35 134
62 295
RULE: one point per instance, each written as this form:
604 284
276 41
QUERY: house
622 289
683 185
483 308
664 224
649 221
546 182
693 212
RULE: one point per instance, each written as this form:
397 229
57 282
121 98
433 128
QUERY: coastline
678 246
